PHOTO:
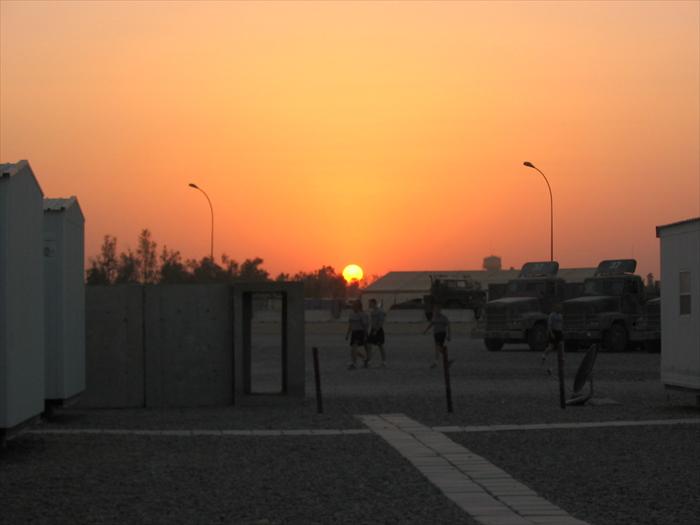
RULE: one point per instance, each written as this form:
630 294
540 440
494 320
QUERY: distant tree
324 283
104 268
128 270
231 268
147 258
282 277
172 269
251 270
352 289
206 271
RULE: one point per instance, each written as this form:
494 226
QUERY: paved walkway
484 491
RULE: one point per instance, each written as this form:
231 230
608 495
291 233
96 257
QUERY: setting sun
353 272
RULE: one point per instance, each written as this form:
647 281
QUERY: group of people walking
367 330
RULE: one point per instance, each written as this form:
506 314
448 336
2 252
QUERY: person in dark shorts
376 332
441 333
357 333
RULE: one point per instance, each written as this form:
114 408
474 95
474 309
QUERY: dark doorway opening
265 352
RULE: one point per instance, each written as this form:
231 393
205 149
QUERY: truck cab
520 316
612 311
455 293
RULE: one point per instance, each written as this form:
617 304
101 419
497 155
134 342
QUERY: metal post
560 369
317 376
448 388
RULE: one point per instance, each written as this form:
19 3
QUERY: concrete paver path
480 488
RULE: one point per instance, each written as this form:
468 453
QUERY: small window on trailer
684 292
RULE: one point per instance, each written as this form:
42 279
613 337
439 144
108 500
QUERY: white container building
64 306
680 304
21 296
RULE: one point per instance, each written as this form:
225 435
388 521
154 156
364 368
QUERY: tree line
148 266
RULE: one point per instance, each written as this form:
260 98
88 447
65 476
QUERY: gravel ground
641 475
141 479
625 475
504 387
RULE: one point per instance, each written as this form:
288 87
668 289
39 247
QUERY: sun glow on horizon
391 132
353 273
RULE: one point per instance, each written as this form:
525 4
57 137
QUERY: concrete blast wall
114 347
173 345
189 345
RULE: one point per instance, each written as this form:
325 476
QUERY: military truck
520 315
455 293
614 310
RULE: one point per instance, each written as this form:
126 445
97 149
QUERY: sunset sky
391 135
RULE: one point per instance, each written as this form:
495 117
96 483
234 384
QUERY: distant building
21 296
680 304
492 263
399 287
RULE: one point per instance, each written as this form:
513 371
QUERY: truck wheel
538 337
615 339
493 345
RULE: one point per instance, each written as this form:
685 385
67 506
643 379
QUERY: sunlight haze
391 135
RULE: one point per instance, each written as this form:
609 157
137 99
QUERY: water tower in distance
492 263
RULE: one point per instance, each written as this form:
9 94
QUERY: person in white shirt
357 333
441 332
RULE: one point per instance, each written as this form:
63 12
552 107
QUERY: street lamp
551 210
211 208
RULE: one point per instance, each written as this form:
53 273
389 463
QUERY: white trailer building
680 304
64 305
21 296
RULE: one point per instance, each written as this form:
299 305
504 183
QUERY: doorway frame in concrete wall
292 333
248 313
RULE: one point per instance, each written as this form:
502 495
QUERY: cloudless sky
390 135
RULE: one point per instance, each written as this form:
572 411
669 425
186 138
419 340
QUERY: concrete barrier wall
114 347
189 345
173 345
158 346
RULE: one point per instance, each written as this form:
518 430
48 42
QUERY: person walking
555 329
441 333
357 333
376 332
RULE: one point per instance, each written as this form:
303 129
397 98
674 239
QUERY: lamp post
211 208
551 210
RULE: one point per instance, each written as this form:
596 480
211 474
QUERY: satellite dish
583 375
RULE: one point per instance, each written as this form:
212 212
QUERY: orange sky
387 134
